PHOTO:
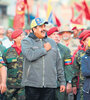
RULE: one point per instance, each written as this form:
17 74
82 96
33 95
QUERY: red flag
18 22
78 7
86 10
19 17
78 20
25 1
58 23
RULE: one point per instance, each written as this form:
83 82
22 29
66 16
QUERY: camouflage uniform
14 63
2 96
2 48
1 62
72 45
77 64
68 70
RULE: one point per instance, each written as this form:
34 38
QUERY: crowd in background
74 49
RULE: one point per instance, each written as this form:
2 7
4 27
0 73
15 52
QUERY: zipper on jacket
43 65
43 70
28 71
86 91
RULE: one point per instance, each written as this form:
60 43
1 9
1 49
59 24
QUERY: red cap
87 35
84 34
16 33
82 29
74 28
52 30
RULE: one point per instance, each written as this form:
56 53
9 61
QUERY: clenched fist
62 88
47 46
69 88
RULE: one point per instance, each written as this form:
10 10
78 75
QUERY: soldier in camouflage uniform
67 40
2 48
67 65
2 73
77 62
13 59
72 44
3 76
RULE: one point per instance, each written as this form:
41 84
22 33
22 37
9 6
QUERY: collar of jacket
88 52
31 35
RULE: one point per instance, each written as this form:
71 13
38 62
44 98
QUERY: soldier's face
2 30
19 38
55 37
75 32
66 35
40 31
9 33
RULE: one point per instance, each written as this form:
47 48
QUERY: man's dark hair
33 30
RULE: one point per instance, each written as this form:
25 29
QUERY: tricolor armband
1 60
68 61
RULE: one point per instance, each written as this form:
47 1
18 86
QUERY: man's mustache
43 31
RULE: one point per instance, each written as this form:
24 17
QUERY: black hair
33 30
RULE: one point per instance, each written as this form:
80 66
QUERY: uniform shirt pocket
11 60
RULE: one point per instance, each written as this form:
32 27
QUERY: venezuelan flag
68 61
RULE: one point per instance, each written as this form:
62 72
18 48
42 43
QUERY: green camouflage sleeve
76 67
68 65
4 57
74 81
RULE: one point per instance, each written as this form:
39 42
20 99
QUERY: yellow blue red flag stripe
67 61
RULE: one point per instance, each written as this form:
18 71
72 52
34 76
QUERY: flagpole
28 13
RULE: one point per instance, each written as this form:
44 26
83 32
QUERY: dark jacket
85 65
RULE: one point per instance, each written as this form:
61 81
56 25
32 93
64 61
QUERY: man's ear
34 30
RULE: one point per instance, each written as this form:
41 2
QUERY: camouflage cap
65 28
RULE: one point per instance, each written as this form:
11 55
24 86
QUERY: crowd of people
45 63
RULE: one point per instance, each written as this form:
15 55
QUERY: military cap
65 28
16 33
52 30
84 35
74 28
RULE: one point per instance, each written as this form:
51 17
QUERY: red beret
87 35
74 28
52 30
16 33
84 34
82 29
